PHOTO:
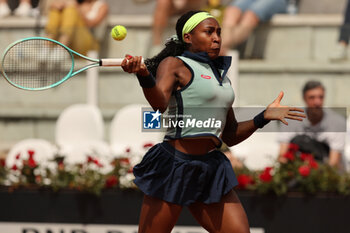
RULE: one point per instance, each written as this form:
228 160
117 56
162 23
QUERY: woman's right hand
135 65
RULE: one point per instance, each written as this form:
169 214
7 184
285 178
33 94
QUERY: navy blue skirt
182 179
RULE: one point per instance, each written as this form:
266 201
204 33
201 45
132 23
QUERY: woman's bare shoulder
172 61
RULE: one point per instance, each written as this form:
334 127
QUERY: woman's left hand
276 111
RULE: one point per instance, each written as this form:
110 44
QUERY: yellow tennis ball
118 32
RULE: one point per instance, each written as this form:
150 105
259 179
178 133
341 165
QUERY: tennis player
187 169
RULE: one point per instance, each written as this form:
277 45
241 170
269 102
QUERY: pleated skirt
183 179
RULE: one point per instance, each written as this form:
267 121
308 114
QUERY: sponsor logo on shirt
205 76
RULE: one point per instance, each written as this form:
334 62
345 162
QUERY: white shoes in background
4 10
23 10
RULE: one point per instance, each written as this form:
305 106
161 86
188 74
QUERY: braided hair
172 47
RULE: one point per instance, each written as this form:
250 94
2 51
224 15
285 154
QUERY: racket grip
113 61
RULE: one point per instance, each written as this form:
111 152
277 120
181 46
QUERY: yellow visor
194 21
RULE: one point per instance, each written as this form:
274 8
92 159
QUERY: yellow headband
194 21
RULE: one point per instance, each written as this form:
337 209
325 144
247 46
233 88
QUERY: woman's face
205 37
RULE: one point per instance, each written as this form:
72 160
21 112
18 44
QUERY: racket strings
36 63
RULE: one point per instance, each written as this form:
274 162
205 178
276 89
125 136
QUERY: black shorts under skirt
180 178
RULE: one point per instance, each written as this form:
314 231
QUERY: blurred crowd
24 9
238 18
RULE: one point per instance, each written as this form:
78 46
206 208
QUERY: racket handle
113 61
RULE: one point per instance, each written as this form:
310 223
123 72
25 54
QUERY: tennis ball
118 32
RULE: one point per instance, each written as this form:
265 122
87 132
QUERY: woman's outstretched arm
235 132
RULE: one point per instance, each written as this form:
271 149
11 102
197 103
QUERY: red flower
111 181
95 161
124 161
304 170
244 180
2 162
61 166
113 163
306 157
31 163
309 159
18 156
266 176
131 170
31 154
313 164
289 155
90 159
146 145
98 163
14 167
293 147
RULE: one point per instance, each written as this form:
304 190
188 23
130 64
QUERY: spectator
323 128
216 9
341 51
241 17
163 11
23 10
75 23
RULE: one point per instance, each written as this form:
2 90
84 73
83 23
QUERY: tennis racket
39 63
